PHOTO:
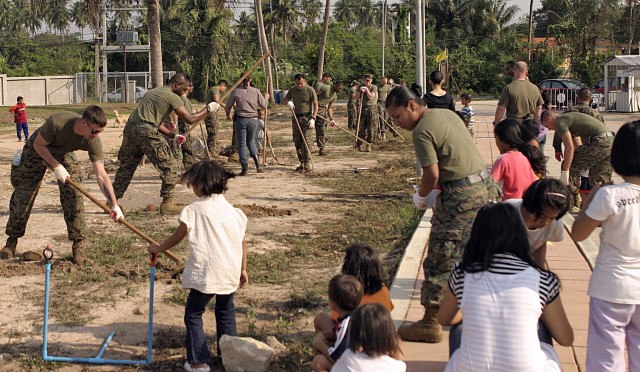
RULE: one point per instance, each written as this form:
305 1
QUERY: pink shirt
516 174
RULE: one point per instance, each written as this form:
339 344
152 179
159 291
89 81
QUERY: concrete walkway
570 261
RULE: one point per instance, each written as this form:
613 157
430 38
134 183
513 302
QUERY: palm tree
311 11
80 16
282 15
155 42
345 12
246 27
57 15
323 43
7 15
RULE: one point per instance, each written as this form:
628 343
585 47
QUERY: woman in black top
438 97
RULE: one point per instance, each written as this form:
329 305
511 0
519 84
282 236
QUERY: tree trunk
263 42
530 27
323 43
155 43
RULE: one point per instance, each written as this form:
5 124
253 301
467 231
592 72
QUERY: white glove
213 107
312 123
291 105
61 173
431 200
180 139
564 177
419 201
116 213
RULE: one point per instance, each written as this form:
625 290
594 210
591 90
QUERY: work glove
419 201
171 126
564 177
61 174
312 123
291 105
116 213
213 107
363 89
332 123
180 139
559 155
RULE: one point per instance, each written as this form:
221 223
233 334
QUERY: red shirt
19 111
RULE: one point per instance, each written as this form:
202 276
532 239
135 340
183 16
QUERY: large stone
279 349
240 354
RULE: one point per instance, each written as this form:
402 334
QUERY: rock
31 256
141 310
245 354
151 208
278 348
5 357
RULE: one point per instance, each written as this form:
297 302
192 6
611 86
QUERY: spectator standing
468 115
19 111
438 97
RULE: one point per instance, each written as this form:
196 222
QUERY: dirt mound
254 210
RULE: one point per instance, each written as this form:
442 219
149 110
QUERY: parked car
562 92
116 95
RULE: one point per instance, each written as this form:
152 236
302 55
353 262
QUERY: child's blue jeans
196 340
22 127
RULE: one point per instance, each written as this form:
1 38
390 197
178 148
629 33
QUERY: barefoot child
217 263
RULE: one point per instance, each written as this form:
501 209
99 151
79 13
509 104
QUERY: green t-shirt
521 98
580 125
302 98
214 91
383 92
58 131
155 106
365 99
187 105
324 93
441 137
352 92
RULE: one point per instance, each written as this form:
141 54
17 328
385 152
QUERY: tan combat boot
308 166
9 250
425 330
167 206
300 167
78 256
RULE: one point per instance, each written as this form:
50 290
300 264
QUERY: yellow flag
442 56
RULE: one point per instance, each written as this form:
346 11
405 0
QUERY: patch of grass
308 297
178 296
34 362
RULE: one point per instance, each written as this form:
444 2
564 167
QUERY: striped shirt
501 307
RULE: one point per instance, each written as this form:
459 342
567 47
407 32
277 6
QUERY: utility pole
104 52
125 89
419 44
384 32
96 61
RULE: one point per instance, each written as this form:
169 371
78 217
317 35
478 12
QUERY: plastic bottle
16 157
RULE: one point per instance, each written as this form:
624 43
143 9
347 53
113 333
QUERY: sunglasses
93 131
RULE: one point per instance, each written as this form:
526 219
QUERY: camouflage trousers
212 125
368 124
187 152
594 156
139 140
450 229
352 115
299 141
321 127
382 111
26 179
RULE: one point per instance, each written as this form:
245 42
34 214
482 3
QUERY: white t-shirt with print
215 231
616 276
538 237
357 362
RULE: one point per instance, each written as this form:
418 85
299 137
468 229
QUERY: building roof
623 60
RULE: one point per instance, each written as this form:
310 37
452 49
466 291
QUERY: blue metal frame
98 358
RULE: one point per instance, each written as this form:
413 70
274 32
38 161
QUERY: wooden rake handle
122 220
344 130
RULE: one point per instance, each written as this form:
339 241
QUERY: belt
303 115
601 135
469 180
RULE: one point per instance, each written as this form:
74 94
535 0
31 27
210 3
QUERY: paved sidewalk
567 259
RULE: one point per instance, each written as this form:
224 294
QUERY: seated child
345 293
374 344
363 263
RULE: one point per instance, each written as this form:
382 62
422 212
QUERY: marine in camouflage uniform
383 91
53 145
325 95
185 150
582 105
211 121
368 95
352 105
305 103
144 136
595 152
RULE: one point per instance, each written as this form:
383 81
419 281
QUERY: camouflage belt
601 135
469 180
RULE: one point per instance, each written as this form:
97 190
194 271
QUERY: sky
524 6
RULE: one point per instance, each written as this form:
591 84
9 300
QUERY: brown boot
78 257
167 206
300 167
9 250
308 166
425 330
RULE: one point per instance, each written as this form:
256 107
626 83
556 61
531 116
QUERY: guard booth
622 83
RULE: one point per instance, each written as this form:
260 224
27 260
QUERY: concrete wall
38 90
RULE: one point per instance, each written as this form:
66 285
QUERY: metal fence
114 89
564 98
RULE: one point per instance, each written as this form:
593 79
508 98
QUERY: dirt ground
288 213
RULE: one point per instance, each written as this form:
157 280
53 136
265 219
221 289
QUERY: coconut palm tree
282 16
80 16
57 15
345 11
310 11
246 27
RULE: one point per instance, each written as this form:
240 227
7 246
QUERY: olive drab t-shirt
383 92
352 92
580 125
520 97
324 93
302 99
365 99
441 137
58 131
155 106
214 91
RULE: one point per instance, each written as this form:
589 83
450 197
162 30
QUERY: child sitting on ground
501 294
544 204
362 262
374 344
19 111
345 293
614 288
520 163
217 263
